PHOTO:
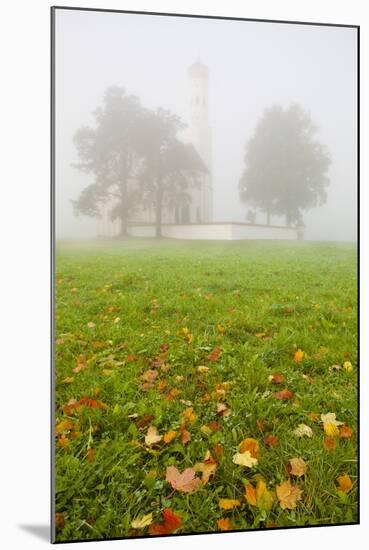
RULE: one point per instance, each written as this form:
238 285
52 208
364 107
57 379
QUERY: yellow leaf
344 484
64 425
245 459
228 503
152 436
203 368
251 445
189 415
347 366
264 497
303 430
250 494
331 429
298 356
68 380
141 522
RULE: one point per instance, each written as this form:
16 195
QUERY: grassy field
273 328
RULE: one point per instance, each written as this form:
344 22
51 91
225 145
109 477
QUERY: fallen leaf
68 380
189 415
91 325
288 495
244 459
228 503
203 368
298 356
297 467
185 482
271 440
207 467
59 520
303 430
276 378
330 424
185 435
218 449
149 375
344 484
345 432
170 523
224 524
142 521
283 394
347 366
169 436
223 410
214 355
251 445
250 494
152 436
90 455
64 426
329 443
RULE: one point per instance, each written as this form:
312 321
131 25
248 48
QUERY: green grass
140 295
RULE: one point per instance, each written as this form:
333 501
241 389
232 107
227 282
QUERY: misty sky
252 66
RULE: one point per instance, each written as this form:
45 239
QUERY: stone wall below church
218 231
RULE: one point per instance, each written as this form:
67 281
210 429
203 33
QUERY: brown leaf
223 410
185 435
59 520
297 467
283 394
214 355
276 378
345 432
329 443
185 482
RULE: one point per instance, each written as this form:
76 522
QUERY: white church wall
216 232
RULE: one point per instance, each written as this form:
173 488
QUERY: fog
252 66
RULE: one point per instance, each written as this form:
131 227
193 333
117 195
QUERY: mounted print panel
205 274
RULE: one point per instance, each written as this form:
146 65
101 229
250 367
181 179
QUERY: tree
286 167
109 151
170 167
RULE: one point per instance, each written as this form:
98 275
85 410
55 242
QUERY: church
194 219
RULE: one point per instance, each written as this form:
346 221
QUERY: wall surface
216 231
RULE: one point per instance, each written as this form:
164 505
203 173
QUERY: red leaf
214 355
283 394
169 525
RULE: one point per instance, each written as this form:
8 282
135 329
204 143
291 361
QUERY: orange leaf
169 436
223 410
169 525
276 378
185 436
250 445
329 443
283 394
185 482
344 484
59 520
224 524
189 415
271 440
63 426
346 432
298 356
250 494
90 455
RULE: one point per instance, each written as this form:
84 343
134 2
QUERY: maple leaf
185 482
245 459
298 356
228 503
344 484
297 467
224 524
207 468
346 432
223 410
260 497
288 495
214 355
170 523
303 430
283 394
347 366
152 436
251 445
142 521
271 440
169 436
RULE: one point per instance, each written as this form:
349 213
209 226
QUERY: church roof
198 70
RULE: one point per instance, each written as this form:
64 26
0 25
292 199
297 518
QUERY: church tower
199 135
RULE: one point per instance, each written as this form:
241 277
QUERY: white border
24 398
